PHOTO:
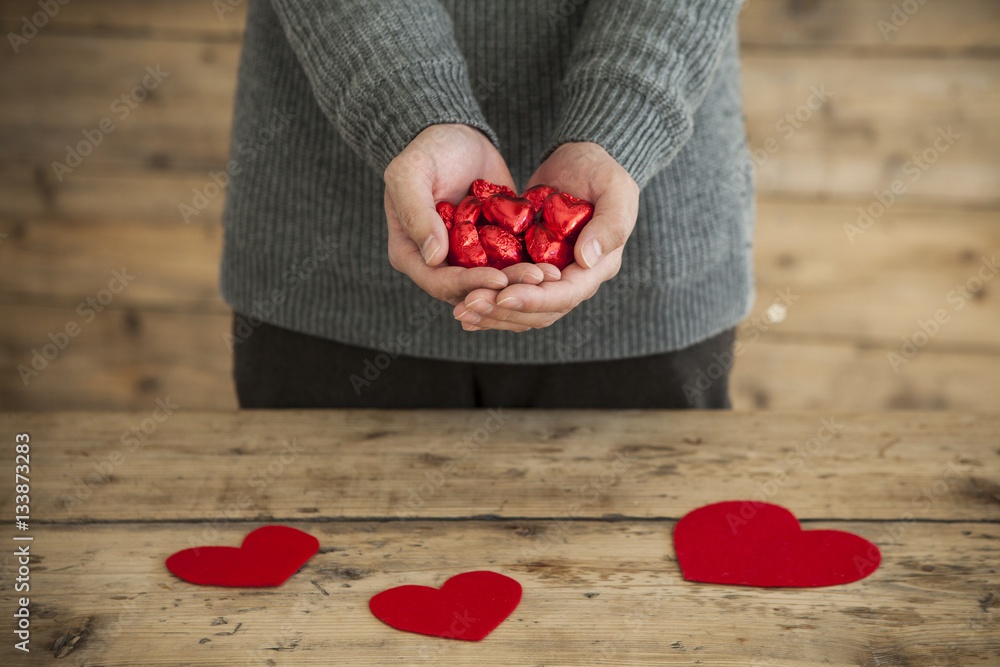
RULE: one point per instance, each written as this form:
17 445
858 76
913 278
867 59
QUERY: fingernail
480 306
511 303
592 254
495 284
523 276
429 247
469 317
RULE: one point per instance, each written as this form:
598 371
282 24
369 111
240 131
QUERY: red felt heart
268 557
512 213
468 606
759 544
544 248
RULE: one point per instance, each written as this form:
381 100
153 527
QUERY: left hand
587 171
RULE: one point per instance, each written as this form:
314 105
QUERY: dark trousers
278 368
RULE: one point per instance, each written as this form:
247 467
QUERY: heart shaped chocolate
464 248
544 248
512 213
502 248
482 190
447 212
565 215
468 210
537 195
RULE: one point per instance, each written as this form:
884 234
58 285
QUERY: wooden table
579 507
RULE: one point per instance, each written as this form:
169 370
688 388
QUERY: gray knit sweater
329 91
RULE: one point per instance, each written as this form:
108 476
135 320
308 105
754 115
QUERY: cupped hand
587 171
438 165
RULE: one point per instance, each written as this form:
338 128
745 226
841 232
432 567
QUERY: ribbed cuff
624 122
397 108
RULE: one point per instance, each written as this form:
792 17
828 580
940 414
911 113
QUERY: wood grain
954 26
872 28
539 464
127 357
120 357
876 118
594 593
601 583
878 288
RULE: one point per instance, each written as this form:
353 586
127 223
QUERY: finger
550 271
516 322
615 211
409 202
472 321
530 274
559 296
454 283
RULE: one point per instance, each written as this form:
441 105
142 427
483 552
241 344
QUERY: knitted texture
329 91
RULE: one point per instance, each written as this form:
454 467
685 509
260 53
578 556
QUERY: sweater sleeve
381 71
640 70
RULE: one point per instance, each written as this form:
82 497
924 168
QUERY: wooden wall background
891 90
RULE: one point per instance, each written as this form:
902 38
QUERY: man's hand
438 165
583 170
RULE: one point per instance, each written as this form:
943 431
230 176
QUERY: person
353 118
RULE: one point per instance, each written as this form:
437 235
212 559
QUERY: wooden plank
895 275
878 125
120 357
166 19
511 463
956 25
832 279
61 262
783 372
128 356
180 117
879 115
605 593
32 191
879 27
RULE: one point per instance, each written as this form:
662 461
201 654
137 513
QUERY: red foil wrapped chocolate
492 226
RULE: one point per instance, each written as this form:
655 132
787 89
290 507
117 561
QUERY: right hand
439 165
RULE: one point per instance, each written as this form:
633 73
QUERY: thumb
609 229
412 206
